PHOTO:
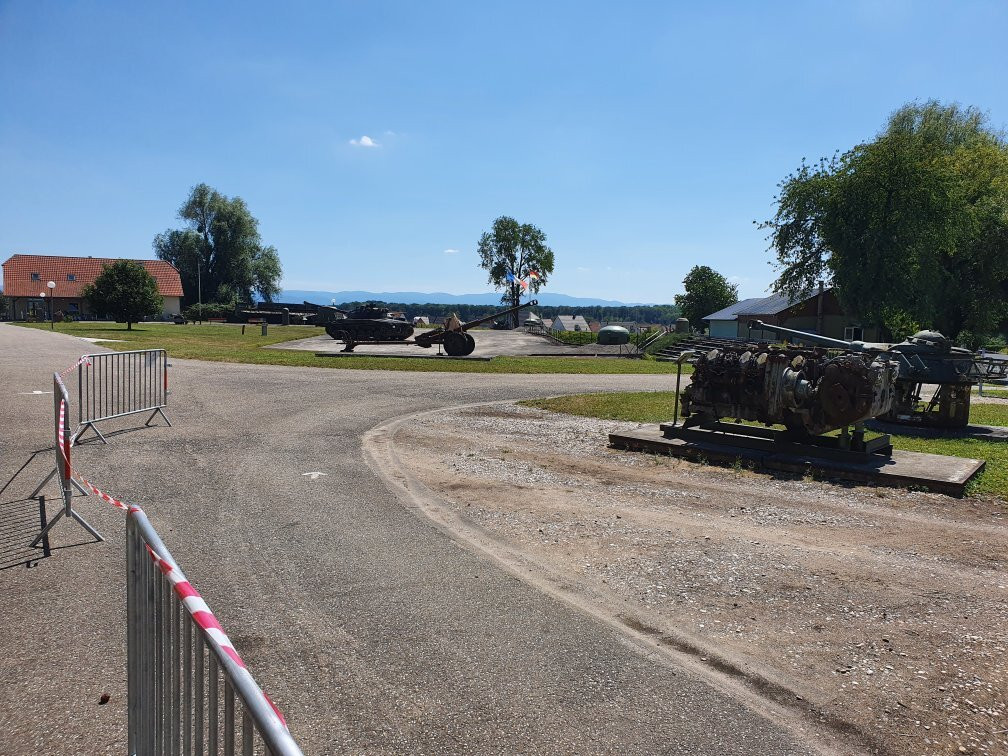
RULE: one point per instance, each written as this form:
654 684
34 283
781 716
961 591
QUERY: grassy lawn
995 393
225 343
656 407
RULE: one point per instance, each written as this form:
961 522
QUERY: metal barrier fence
116 384
62 470
184 675
172 639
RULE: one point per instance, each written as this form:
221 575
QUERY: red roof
18 270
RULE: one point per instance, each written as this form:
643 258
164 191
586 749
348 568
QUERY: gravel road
375 631
879 611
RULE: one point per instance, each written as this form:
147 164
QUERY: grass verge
226 343
656 407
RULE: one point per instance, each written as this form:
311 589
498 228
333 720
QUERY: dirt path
875 612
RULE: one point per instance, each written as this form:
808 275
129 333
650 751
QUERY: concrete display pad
406 355
947 475
489 343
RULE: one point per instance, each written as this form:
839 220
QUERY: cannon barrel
473 323
813 338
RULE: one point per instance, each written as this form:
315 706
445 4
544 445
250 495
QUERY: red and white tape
188 595
84 360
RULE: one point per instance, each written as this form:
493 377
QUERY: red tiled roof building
26 278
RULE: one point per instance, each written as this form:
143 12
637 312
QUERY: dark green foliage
515 248
666 341
910 228
5 306
126 291
577 338
212 310
707 291
220 251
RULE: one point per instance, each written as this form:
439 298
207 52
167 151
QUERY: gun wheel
455 344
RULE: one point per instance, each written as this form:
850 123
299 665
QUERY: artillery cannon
925 357
452 335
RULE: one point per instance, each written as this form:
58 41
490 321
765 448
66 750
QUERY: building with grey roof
806 313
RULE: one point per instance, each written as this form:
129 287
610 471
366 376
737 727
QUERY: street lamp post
52 294
199 289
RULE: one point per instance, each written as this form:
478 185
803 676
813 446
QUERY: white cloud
451 251
583 270
364 141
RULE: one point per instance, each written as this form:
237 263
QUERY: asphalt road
370 628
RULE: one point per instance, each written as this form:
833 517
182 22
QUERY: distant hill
440 297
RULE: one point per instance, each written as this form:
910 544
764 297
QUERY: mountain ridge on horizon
549 299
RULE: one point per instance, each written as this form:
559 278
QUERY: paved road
371 629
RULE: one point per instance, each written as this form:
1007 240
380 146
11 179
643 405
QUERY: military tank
927 357
369 322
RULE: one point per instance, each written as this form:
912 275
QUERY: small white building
569 323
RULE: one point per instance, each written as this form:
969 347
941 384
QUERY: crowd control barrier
184 675
188 689
62 470
116 384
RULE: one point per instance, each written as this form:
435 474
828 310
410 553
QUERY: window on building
73 308
71 277
36 277
853 333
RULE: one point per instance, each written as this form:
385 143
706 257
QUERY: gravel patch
884 610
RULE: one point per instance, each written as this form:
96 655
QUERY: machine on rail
371 324
927 357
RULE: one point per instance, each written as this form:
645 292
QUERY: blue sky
642 138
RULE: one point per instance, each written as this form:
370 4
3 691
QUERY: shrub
576 338
210 310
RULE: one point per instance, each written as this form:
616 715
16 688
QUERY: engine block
806 390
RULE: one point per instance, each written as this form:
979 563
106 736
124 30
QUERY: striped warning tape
84 360
189 596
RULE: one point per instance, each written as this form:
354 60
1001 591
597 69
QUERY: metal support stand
42 524
153 415
67 511
686 354
79 434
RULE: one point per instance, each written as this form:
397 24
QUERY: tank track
361 331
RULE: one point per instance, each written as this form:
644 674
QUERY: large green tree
518 250
910 228
125 290
220 255
706 292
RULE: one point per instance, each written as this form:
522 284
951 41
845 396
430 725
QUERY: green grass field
993 393
657 406
226 343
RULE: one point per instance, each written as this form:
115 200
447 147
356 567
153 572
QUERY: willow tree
511 253
219 254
